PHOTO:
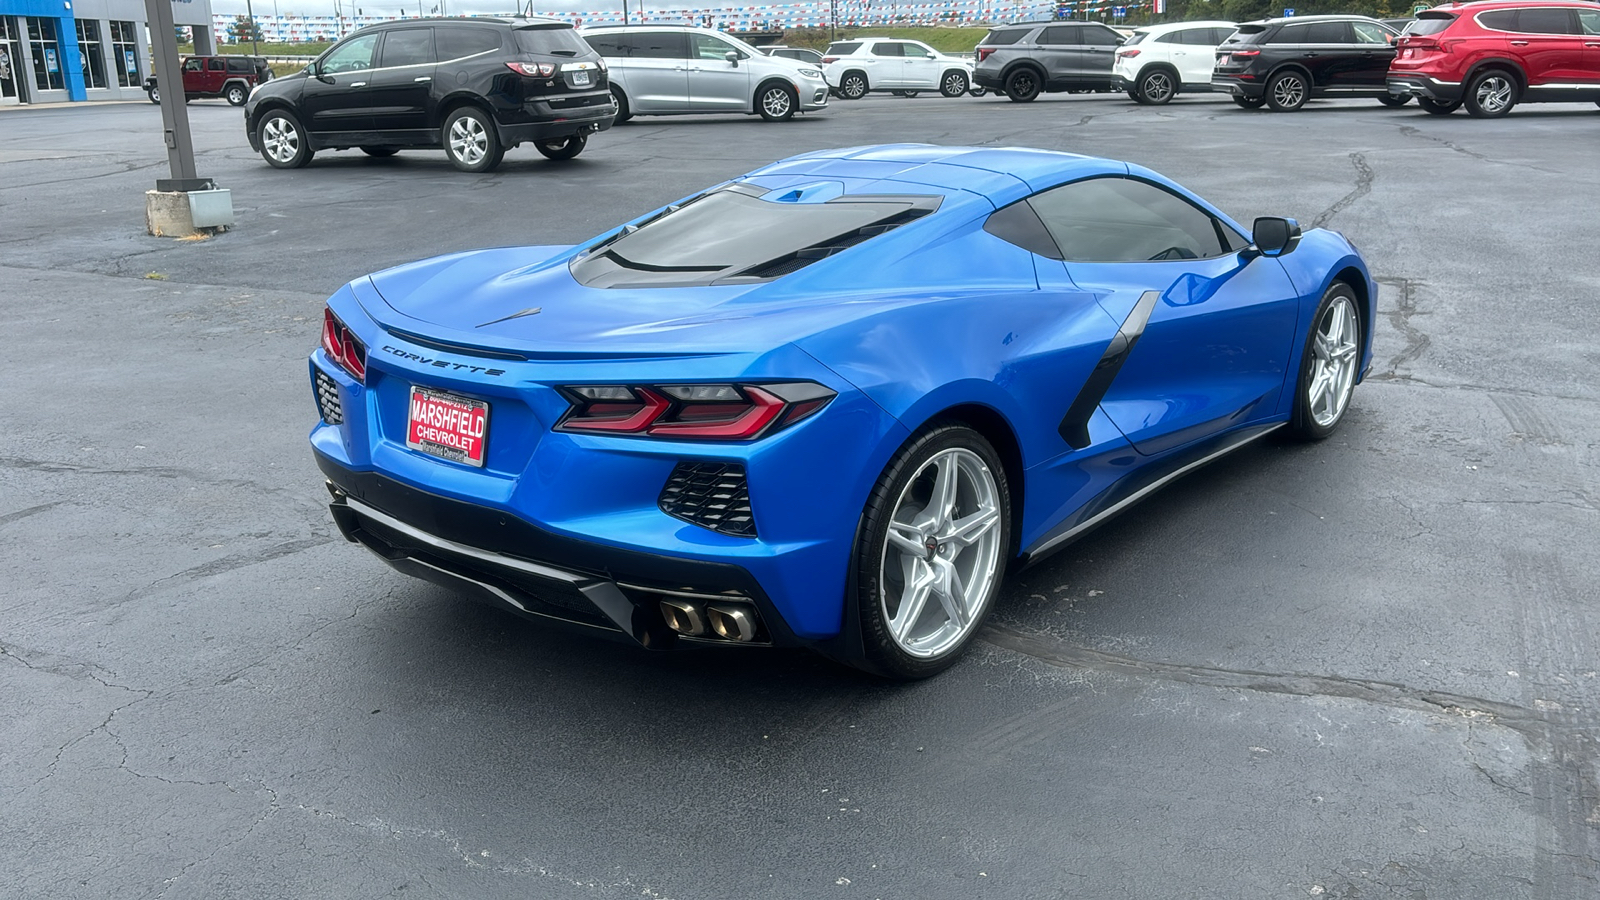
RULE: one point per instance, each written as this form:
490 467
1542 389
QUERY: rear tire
155 95
1438 107
776 102
853 86
977 91
380 152
1491 94
919 609
954 84
623 113
1249 102
236 95
1022 86
1288 92
284 143
470 141
562 148
1155 88
1329 364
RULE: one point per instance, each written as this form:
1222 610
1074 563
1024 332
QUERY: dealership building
57 50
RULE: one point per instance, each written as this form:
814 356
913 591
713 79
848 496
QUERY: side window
1368 33
1589 21
1172 37
1124 220
239 64
709 47
1330 33
1291 34
459 43
217 64
353 55
1061 35
1100 36
887 49
193 65
1499 20
408 47
1218 35
914 51
1544 20
659 45
606 45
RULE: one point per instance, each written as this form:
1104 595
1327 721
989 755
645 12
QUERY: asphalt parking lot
1364 668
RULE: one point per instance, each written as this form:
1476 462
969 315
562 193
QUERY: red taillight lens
532 70
1242 54
344 348
829 59
728 412
1128 54
984 52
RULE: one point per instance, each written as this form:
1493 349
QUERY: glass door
11 83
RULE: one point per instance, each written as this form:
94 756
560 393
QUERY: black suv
474 87
1285 62
1024 60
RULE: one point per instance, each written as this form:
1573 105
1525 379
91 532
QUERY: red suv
1492 56
229 77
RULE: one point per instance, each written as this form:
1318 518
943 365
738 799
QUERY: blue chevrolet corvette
826 404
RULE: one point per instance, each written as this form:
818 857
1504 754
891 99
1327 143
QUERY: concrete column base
170 214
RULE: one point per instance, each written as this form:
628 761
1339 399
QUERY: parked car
827 404
229 77
474 87
860 65
1285 62
1026 60
1161 61
1492 56
667 70
805 55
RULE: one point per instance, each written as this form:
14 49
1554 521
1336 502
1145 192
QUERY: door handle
1519 43
356 84
1591 43
423 78
1312 55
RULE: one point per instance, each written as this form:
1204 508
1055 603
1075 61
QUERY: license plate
448 426
1223 60
580 78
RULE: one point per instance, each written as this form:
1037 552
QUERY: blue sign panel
1287 13
50 63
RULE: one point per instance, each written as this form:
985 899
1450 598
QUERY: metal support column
174 114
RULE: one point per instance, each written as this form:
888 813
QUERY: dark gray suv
1023 61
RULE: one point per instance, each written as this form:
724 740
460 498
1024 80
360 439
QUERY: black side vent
712 495
328 400
799 259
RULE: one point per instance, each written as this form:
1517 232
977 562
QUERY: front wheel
1288 92
1328 366
236 95
1491 94
470 141
562 148
1249 102
284 144
776 103
154 94
1022 85
931 551
853 86
1438 107
1156 88
954 84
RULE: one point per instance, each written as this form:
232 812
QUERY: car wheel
853 86
155 95
1394 102
1491 94
776 103
380 152
562 148
623 113
1022 85
284 144
977 91
1287 92
1438 107
931 551
1249 102
954 84
470 141
237 95
1156 88
1328 366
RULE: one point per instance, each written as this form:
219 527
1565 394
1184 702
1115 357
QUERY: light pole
249 10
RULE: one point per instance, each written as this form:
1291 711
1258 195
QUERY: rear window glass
732 233
843 48
1427 23
457 43
1138 38
558 40
1291 34
1247 34
1001 37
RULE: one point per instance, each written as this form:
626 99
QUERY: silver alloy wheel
280 139
944 547
1289 91
155 95
1335 348
1157 87
955 84
854 87
469 142
1494 94
236 95
775 102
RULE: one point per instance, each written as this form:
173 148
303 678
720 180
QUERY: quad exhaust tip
733 623
683 617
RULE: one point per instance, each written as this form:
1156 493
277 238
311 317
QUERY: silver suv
1023 61
660 70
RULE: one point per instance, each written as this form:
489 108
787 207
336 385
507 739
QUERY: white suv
864 64
1161 61
664 70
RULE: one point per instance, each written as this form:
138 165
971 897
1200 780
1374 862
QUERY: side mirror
732 56
1274 236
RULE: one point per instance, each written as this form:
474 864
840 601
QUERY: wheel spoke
906 538
919 579
943 501
968 530
954 596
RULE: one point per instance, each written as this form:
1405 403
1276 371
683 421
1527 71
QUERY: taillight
344 348
1241 54
1417 43
984 53
728 412
532 70
1127 54
829 59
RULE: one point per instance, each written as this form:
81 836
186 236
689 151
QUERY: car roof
1000 174
1165 27
1482 5
1288 20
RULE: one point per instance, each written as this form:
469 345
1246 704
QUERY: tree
245 29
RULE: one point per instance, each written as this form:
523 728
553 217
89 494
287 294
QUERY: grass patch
946 40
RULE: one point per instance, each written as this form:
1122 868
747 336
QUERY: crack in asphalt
1363 187
1400 319
21 514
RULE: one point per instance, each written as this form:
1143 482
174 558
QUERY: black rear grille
328 400
712 495
579 101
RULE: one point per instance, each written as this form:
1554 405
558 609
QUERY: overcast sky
325 7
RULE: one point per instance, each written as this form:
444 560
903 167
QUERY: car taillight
728 412
1417 43
829 59
984 53
1127 54
343 347
1241 54
532 70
